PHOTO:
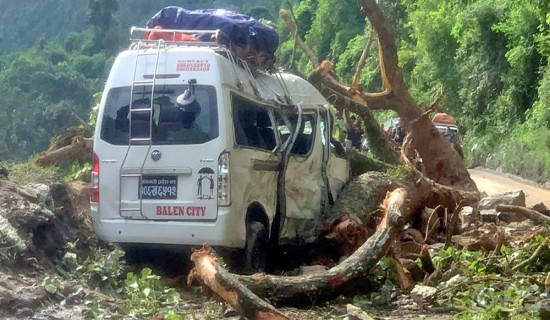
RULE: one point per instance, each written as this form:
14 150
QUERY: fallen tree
298 290
399 207
441 162
441 179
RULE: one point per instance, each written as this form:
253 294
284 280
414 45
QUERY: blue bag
241 29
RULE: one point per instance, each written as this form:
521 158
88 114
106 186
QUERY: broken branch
209 272
79 147
532 258
530 214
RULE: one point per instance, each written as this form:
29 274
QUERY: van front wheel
256 247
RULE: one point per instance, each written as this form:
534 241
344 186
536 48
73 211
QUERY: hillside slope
22 23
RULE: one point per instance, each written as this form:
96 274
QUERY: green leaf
145 272
50 288
146 291
172 316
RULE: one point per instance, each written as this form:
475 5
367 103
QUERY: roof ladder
144 140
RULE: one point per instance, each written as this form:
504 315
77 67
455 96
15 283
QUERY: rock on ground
515 197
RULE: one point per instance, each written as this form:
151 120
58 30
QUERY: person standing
354 131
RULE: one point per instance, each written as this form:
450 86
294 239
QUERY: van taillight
224 180
95 179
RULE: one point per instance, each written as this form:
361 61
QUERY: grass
28 172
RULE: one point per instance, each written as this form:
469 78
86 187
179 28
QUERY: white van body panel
193 216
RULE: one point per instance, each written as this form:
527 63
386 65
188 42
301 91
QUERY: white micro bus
192 146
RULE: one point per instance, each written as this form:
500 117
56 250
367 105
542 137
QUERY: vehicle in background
447 125
395 129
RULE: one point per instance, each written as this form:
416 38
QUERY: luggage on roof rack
250 39
444 118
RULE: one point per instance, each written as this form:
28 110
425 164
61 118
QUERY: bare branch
362 60
435 104
293 58
286 16
391 73
374 101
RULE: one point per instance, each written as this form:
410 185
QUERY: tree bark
226 286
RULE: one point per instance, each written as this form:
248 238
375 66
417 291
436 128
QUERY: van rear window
168 124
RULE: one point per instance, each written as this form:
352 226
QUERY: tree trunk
536 216
349 275
379 143
442 164
360 163
226 287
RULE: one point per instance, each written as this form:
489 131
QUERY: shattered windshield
195 123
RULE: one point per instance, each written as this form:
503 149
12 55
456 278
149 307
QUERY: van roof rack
216 38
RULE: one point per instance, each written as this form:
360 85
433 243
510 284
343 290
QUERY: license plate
159 187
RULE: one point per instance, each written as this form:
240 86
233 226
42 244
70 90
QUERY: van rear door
168 159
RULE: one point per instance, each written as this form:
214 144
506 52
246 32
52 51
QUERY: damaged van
193 146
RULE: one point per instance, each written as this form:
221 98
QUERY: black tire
256 247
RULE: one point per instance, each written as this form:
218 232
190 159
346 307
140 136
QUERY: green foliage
80 171
142 294
486 284
376 299
489 57
27 172
105 269
36 110
51 284
147 295
96 311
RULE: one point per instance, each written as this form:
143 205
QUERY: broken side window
305 138
253 126
283 128
336 146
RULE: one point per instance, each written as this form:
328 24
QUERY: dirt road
493 182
